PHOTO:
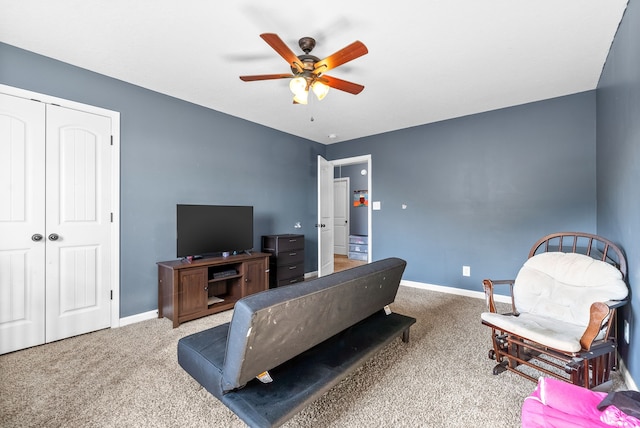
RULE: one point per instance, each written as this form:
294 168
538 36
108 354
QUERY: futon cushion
271 327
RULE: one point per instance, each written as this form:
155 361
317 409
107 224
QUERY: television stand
191 290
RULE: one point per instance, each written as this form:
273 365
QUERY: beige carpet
129 377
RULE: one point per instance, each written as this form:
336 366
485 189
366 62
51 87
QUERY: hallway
341 262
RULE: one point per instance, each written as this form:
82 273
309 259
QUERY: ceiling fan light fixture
320 89
301 98
298 85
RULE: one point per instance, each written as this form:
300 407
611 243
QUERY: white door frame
353 161
115 181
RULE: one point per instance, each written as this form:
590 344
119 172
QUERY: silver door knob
53 237
36 237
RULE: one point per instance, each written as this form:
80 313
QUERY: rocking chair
563 311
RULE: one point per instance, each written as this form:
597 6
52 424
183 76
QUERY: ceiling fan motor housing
307 44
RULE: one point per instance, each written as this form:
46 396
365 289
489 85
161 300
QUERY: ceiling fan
307 71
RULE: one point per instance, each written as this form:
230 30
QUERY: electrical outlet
466 270
626 332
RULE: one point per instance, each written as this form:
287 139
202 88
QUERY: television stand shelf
187 291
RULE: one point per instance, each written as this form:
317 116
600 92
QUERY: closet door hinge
111 294
111 217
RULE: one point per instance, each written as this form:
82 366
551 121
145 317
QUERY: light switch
376 205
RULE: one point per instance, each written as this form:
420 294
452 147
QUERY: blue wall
618 136
176 152
480 190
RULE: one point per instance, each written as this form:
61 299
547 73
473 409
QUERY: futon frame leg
405 336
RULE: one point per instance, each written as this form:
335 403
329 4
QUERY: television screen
212 229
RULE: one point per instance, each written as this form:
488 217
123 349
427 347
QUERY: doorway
365 162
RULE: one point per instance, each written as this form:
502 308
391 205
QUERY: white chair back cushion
563 286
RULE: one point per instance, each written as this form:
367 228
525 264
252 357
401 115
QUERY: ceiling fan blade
343 85
283 50
349 53
265 77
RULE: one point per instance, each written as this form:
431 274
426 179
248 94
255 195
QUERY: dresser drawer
290 271
289 257
359 239
289 281
358 256
359 248
280 243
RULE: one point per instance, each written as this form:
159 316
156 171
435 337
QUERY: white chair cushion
546 331
562 286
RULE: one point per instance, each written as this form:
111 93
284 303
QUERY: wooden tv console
190 290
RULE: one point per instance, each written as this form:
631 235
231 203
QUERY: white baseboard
138 317
453 290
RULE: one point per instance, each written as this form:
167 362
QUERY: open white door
325 217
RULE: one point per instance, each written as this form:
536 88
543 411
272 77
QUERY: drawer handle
292 254
293 267
293 240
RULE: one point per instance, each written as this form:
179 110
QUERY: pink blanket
558 404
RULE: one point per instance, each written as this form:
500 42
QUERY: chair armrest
488 285
601 317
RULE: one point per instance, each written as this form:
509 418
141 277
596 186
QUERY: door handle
53 237
36 237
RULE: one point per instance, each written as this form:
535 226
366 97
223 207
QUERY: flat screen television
209 230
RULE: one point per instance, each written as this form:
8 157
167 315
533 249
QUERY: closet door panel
78 222
22 223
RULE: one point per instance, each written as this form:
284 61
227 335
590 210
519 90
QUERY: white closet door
78 223
22 219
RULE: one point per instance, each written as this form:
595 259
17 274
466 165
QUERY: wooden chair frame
592 365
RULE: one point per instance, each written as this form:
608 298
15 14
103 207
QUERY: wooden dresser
286 264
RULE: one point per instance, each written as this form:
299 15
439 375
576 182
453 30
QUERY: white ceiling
428 60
